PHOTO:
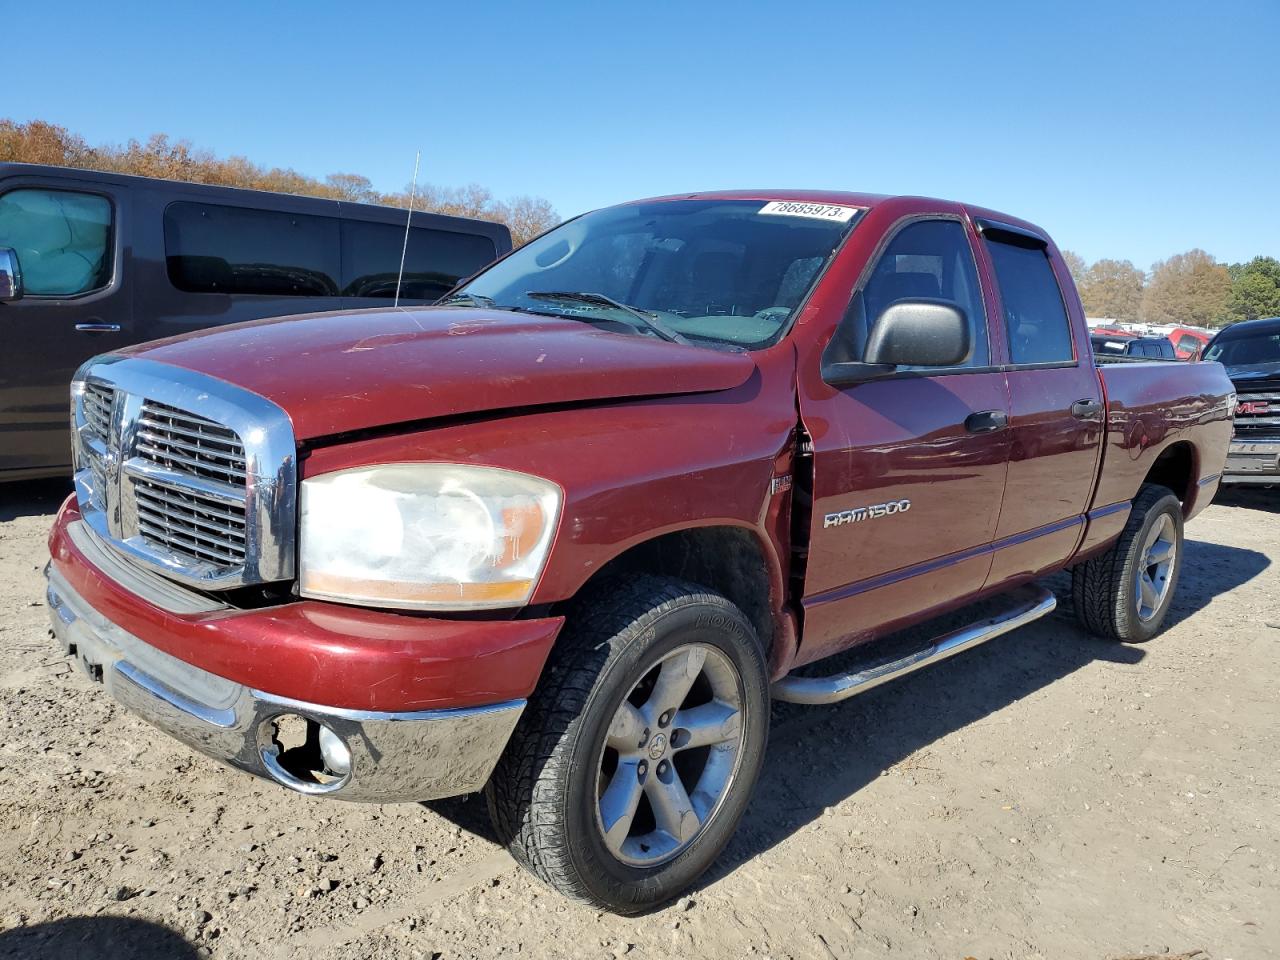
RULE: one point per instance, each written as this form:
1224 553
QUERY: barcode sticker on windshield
815 211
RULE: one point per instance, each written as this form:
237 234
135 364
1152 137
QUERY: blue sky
1128 129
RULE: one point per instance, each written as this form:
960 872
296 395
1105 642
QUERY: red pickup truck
563 536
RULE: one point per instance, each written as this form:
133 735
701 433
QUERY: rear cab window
62 239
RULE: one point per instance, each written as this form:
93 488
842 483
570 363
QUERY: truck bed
1152 406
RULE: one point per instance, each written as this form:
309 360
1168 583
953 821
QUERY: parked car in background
1122 345
1250 351
92 262
1188 342
685 447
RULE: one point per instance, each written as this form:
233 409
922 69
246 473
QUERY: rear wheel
636 756
1125 593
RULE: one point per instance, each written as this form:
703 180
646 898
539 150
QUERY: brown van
92 262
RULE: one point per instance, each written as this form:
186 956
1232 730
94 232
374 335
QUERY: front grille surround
185 474
1256 425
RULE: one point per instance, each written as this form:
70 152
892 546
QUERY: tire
1107 589
623 656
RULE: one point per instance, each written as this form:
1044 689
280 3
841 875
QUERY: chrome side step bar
1026 605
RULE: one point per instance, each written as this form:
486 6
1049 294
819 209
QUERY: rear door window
434 261
62 238
1034 313
211 248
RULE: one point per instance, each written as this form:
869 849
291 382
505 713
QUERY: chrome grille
1263 418
190 525
165 476
190 444
97 409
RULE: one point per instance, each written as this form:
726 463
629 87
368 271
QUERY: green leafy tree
1255 289
1112 288
1189 288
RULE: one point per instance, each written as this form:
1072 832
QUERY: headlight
425 536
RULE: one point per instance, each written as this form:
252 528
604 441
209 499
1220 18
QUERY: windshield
1243 351
726 273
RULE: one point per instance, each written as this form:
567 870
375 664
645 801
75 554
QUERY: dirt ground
1044 796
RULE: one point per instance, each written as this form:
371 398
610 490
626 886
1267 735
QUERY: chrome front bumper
1253 461
393 756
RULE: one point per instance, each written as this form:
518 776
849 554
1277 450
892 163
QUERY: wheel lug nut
642 769
664 719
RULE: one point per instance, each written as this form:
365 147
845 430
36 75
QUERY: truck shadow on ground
32 498
96 938
1248 498
835 751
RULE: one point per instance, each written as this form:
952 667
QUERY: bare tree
1112 288
160 156
1076 264
352 187
1190 288
527 217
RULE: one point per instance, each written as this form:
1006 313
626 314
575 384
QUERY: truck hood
1255 376
354 370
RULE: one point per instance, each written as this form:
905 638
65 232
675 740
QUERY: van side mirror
10 275
919 333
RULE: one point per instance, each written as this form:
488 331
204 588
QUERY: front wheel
1125 593
636 756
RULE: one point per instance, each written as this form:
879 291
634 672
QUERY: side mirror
919 333
10 275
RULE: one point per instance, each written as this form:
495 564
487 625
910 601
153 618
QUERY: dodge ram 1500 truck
563 536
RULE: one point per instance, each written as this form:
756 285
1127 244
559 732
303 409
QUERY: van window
433 264
62 238
929 259
1039 331
212 248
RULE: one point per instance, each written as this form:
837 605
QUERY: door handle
97 327
1086 409
988 421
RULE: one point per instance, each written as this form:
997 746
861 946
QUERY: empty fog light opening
303 754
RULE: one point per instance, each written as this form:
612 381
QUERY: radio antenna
404 249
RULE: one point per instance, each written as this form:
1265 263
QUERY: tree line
160 156
1190 288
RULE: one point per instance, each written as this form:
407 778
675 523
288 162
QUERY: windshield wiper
475 299
648 319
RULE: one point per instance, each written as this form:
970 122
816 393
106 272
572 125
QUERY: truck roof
848 198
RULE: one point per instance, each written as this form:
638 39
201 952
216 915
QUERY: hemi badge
779 484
